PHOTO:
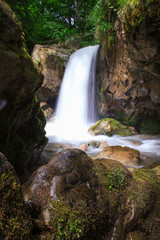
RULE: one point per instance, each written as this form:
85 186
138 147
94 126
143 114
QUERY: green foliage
67 222
125 119
128 14
102 17
44 21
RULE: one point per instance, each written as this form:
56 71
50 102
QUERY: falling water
76 109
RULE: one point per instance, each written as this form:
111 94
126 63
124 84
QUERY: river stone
109 126
127 156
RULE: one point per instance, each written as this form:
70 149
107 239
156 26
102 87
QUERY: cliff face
51 60
130 75
22 122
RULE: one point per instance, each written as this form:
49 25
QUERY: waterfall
76 108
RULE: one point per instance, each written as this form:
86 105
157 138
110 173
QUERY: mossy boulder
15 222
143 204
109 127
22 135
78 197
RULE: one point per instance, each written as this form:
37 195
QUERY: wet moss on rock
15 222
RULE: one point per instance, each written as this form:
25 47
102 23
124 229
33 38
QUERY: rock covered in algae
72 193
109 126
15 222
77 197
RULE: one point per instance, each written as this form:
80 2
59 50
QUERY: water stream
76 109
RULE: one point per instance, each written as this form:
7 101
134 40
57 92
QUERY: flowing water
76 109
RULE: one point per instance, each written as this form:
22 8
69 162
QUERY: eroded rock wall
51 60
130 74
22 135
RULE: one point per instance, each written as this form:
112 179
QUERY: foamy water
76 110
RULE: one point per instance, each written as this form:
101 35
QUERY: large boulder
22 135
15 222
75 197
72 194
109 126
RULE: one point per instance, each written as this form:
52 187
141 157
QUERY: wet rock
73 186
103 145
51 60
129 72
127 156
90 199
109 126
98 144
83 147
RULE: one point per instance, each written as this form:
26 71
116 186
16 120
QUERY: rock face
80 198
15 222
109 126
22 135
130 73
51 60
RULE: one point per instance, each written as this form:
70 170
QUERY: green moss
150 126
67 222
116 179
144 194
110 126
15 223
121 116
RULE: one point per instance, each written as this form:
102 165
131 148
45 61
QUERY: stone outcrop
22 135
109 127
80 198
51 60
15 222
130 72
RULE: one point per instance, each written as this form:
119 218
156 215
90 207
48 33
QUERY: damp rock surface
22 135
82 198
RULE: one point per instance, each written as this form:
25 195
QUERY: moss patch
150 126
110 126
15 223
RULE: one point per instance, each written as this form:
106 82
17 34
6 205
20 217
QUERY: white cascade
76 108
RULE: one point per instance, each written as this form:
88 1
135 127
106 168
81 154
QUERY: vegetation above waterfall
109 16
53 20
58 20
